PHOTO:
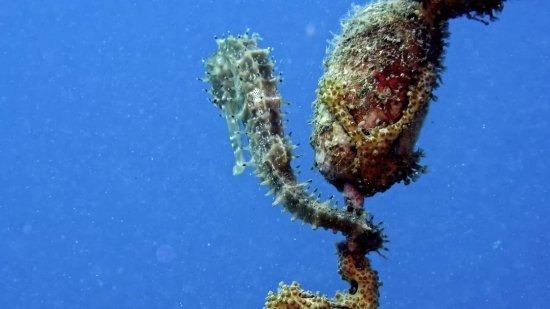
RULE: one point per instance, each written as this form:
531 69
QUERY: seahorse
228 96
244 88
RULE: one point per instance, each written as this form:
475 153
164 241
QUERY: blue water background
110 152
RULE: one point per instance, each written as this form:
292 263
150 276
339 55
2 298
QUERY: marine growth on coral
372 100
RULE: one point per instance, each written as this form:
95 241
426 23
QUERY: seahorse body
244 87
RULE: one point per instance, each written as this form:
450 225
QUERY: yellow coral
354 268
377 85
293 297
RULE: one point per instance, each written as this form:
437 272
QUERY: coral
353 267
293 297
375 93
374 96
442 10
371 103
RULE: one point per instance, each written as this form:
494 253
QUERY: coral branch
442 10
374 96
375 93
353 267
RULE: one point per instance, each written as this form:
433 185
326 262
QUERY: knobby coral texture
372 100
354 268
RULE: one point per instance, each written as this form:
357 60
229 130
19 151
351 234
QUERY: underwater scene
274 154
